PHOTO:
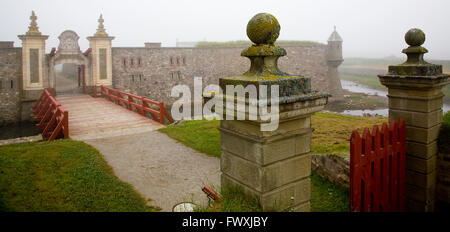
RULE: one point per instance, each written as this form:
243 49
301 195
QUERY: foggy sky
369 28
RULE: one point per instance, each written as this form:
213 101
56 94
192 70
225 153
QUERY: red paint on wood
135 103
377 168
51 118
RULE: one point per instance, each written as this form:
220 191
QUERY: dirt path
159 167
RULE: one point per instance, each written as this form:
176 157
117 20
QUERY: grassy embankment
359 68
63 176
331 135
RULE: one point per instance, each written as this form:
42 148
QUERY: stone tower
334 58
33 60
101 55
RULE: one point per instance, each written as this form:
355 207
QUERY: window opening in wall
139 61
12 84
132 78
184 60
1 84
171 60
132 62
124 61
178 60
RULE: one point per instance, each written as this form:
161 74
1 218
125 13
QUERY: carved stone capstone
68 41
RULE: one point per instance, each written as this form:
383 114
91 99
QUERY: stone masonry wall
10 85
152 72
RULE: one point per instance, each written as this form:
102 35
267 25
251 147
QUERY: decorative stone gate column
414 91
101 57
274 166
34 61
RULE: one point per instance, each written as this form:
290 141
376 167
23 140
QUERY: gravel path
160 168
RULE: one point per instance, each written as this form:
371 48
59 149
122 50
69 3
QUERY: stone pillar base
274 166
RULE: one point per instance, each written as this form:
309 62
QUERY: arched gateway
69 52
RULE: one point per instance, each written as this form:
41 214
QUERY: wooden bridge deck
93 118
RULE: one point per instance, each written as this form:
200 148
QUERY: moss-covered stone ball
415 37
263 28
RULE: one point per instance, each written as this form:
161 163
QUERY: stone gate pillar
273 165
414 92
101 57
34 63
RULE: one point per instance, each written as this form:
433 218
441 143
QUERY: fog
369 28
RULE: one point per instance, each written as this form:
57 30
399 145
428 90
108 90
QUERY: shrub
444 134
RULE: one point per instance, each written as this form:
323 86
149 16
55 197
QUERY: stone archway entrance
69 53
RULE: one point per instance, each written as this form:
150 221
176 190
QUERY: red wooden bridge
108 113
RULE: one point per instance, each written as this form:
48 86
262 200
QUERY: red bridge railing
50 116
135 103
377 169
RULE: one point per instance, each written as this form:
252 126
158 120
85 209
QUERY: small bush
444 134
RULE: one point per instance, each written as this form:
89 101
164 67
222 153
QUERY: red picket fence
51 118
377 169
134 102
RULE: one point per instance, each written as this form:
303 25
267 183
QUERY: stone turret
334 58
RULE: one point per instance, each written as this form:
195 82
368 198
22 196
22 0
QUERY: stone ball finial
263 28
415 37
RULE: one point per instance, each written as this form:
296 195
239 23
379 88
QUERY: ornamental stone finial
33 29
415 65
101 32
263 28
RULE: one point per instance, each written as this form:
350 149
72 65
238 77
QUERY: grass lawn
331 135
332 131
64 175
325 197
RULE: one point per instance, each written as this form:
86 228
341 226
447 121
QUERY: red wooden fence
377 169
50 117
134 102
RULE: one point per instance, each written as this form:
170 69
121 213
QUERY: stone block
288 196
422 135
418 206
419 105
417 119
421 180
253 129
425 93
245 148
421 150
424 166
265 153
244 171
420 194
304 207
265 178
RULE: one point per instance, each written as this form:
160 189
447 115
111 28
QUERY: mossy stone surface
263 28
